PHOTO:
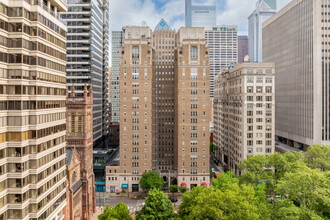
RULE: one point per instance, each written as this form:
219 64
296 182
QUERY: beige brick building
244 113
32 109
164 99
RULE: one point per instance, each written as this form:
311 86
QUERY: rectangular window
193 74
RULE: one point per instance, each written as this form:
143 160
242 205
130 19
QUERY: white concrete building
244 107
222 43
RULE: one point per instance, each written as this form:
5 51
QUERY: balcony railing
45 7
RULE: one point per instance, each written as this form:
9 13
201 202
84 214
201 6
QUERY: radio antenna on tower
144 23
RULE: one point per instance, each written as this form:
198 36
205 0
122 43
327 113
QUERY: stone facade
156 115
244 113
80 141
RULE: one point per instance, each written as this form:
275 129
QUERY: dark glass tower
87 58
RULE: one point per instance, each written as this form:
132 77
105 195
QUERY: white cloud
133 12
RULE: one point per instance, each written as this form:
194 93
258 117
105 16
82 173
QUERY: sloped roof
69 154
162 25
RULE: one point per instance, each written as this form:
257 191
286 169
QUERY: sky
133 12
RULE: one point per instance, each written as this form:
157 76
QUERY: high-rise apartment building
81 181
200 15
243 48
87 58
32 109
244 113
222 43
192 108
300 52
264 10
165 112
117 42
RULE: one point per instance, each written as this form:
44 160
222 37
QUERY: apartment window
249 120
269 80
249 89
250 150
268 98
268 150
259 98
268 89
250 135
193 150
193 164
259 80
249 113
145 73
193 53
135 73
250 80
249 143
250 98
259 89
259 149
193 74
193 92
135 53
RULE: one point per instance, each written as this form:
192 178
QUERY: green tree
213 148
157 206
183 189
308 190
118 212
231 201
174 188
318 157
269 169
150 180
224 179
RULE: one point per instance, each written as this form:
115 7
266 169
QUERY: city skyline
233 12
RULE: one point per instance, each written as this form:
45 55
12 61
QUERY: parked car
173 199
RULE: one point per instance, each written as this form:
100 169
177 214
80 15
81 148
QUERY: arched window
193 53
135 52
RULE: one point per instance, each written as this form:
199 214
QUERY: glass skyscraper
87 57
264 10
200 15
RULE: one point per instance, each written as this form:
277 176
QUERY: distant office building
200 15
243 48
244 108
264 10
80 176
222 43
87 58
32 109
117 42
296 40
165 107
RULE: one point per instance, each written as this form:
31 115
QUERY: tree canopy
156 207
150 180
226 199
279 186
118 212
